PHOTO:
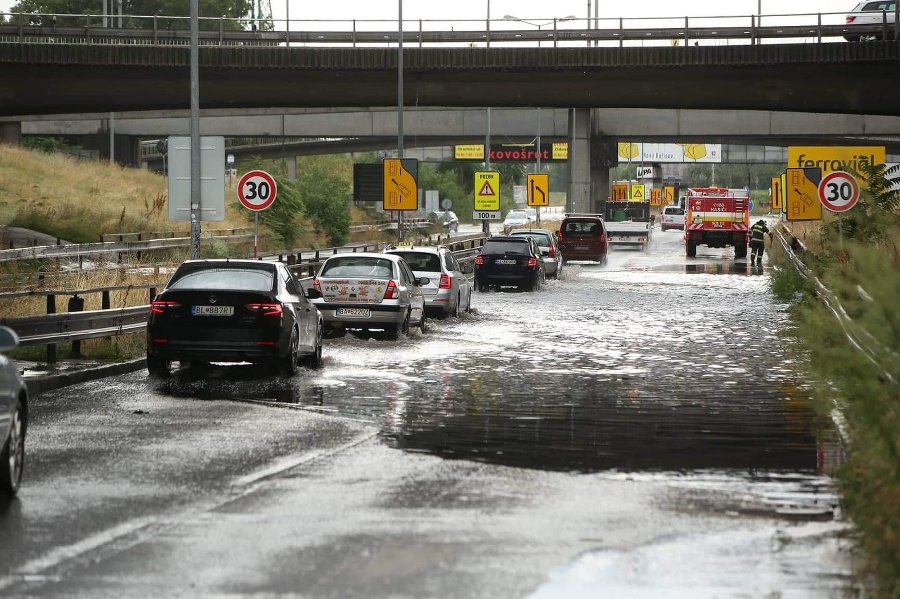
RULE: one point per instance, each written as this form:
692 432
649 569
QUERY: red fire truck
717 217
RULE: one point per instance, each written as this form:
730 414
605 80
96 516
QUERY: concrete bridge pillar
127 148
604 159
579 192
11 132
291 168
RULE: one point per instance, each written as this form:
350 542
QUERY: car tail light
445 282
161 307
532 262
479 260
265 309
316 285
551 253
851 19
391 291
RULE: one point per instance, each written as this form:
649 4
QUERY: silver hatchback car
366 291
550 254
13 418
449 290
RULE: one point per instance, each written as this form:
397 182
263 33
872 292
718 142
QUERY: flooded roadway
633 430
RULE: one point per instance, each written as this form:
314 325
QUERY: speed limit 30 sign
838 191
257 190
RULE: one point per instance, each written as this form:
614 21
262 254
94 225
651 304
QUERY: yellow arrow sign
538 187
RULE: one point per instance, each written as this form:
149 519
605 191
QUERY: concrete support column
291 168
11 132
579 191
604 159
127 148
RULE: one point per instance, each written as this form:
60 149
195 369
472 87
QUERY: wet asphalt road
634 430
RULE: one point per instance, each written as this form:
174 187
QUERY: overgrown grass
864 275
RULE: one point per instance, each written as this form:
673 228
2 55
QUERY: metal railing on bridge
142 30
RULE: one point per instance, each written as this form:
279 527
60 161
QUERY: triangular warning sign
637 193
486 189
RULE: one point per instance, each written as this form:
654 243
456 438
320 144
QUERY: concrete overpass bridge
606 94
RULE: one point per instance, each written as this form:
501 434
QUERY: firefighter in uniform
758 241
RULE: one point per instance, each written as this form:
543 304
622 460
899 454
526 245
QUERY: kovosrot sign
549 152
834 158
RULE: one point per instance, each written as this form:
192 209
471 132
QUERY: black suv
509 261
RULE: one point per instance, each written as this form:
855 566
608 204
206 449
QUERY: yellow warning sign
669 194
638 192
619 192
401 189
487 191
802 200
468 152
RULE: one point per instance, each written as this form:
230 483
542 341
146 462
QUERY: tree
211 13
324 186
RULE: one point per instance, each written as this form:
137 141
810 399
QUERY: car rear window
585 228
509 246
673 210
421 261
541 238
359 266
240 279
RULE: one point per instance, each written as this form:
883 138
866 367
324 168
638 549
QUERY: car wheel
454 312
158 367
604 259
289 361
423 325
12 458
400 329
314 360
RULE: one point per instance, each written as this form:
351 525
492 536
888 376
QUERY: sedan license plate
212 310
504 261
359 312
581 248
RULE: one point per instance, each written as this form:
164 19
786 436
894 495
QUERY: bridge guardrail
168 31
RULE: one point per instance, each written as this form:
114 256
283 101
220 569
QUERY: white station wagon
367 291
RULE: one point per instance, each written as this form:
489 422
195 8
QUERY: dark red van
583 237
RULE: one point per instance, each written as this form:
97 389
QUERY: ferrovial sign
681 152
834 158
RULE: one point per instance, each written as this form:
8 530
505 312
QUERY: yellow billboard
834 158
468 152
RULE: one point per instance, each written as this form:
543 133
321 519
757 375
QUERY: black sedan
509 261
234 311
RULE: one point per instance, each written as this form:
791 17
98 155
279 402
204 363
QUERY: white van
672 218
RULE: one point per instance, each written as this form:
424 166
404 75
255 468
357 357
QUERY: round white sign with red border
838 191
257 190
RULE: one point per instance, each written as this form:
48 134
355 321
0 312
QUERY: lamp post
539 25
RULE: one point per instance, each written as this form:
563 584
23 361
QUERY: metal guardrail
50 329
151 30
880 356
80 250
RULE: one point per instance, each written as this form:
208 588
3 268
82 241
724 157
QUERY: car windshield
516 215
505 247
243 279
423 261
358 266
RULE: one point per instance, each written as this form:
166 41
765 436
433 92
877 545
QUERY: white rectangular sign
645 172
212 178
485 215
660 152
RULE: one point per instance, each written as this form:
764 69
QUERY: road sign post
256 191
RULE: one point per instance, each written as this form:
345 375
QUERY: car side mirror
313 293
422 281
